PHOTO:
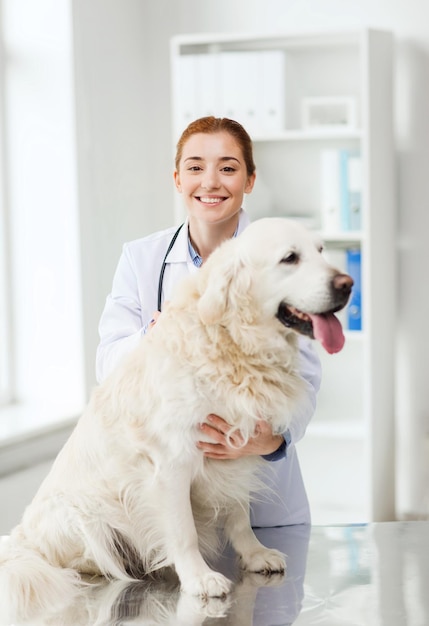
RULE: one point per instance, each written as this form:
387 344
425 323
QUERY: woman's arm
311 372
121 325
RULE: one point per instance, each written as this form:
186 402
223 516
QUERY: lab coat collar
179 253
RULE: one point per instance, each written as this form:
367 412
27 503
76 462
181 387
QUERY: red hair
211 124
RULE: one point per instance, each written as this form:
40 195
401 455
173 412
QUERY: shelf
309 135
314 176
342 239
357 336
213 42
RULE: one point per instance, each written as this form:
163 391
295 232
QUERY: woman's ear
250 182
176 177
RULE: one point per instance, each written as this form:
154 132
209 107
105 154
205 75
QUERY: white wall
123 119
125 158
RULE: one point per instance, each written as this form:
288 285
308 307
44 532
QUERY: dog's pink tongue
327 329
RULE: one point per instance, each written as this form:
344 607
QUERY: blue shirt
196 259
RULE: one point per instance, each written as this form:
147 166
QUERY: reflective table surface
336 576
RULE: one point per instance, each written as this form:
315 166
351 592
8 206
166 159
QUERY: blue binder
354 308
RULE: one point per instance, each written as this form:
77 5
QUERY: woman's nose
210 180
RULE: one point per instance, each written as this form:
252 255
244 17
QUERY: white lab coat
129 308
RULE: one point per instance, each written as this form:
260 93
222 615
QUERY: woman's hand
156 314
264 442
154 319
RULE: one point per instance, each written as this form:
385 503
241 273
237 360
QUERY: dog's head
275 270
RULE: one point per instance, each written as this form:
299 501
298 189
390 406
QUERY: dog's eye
291 259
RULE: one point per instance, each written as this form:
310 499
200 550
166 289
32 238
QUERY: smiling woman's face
212 177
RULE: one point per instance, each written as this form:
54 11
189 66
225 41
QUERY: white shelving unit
347 455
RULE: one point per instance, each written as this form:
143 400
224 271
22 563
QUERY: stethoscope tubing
163 266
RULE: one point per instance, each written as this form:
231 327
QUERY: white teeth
210 200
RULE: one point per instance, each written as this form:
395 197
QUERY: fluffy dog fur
130 493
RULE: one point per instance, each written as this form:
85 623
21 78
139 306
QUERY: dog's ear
213 301
225 282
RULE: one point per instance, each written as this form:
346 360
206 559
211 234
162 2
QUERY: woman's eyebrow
229 158
224 158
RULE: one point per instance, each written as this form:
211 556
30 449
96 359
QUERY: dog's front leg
195 575
254 556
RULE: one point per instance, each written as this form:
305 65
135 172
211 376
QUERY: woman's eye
228 169
194 168
291 259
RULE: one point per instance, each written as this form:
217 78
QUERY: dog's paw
264 561
208 585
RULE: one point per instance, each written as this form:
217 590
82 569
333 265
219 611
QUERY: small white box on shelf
329 113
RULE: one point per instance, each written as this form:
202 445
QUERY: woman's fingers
223 446
154 319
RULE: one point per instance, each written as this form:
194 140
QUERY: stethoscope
164 264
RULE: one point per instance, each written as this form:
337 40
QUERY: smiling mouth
323 326
210 199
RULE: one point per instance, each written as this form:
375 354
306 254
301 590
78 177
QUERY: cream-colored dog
130 493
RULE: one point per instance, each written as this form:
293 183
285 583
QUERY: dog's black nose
343 283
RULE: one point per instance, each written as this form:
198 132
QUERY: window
5 343
41 356
5 335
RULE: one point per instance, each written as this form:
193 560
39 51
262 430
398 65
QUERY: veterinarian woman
214 169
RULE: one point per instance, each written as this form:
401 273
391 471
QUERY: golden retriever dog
131 493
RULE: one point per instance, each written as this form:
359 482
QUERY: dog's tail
31 587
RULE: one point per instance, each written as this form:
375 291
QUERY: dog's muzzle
323 326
